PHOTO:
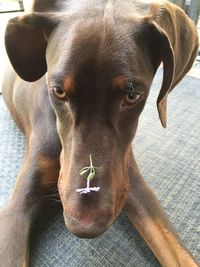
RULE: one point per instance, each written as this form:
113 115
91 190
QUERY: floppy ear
177 40
26 45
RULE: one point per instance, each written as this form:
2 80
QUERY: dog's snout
89 212
87 223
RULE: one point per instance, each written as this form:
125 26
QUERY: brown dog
100 58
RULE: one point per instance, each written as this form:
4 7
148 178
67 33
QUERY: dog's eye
131 95
131 98
59 92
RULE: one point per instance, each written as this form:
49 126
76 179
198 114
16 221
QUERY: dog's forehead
83 8
101 38
106 47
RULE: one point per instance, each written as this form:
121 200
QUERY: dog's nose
87 224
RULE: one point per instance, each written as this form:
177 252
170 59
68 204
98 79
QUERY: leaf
84 171
91 175
98 168
85 168
92 169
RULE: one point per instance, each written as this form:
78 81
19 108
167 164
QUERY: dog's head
100 61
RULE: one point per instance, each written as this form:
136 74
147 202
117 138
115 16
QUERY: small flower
90 171
87 190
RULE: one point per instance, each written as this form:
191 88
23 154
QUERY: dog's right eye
59 92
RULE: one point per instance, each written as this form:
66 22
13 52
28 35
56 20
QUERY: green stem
91 165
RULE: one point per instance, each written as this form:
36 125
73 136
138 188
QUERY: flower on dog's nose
90 171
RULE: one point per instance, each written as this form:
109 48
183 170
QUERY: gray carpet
170 162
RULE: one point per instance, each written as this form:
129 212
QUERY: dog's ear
176 43
26 44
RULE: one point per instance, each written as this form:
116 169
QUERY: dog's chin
86 229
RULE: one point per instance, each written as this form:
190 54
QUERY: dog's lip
85 227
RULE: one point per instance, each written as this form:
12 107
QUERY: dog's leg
150 220
37 175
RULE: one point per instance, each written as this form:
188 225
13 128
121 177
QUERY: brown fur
90 50
69 85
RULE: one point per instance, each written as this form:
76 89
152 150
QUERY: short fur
92 50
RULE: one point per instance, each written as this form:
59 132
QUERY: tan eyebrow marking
119 82
69 84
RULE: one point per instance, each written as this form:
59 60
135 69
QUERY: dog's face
98 83
99 76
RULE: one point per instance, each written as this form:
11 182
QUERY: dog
82 74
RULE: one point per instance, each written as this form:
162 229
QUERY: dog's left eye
59 92
131 94
131 98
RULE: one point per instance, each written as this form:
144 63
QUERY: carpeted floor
170 161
